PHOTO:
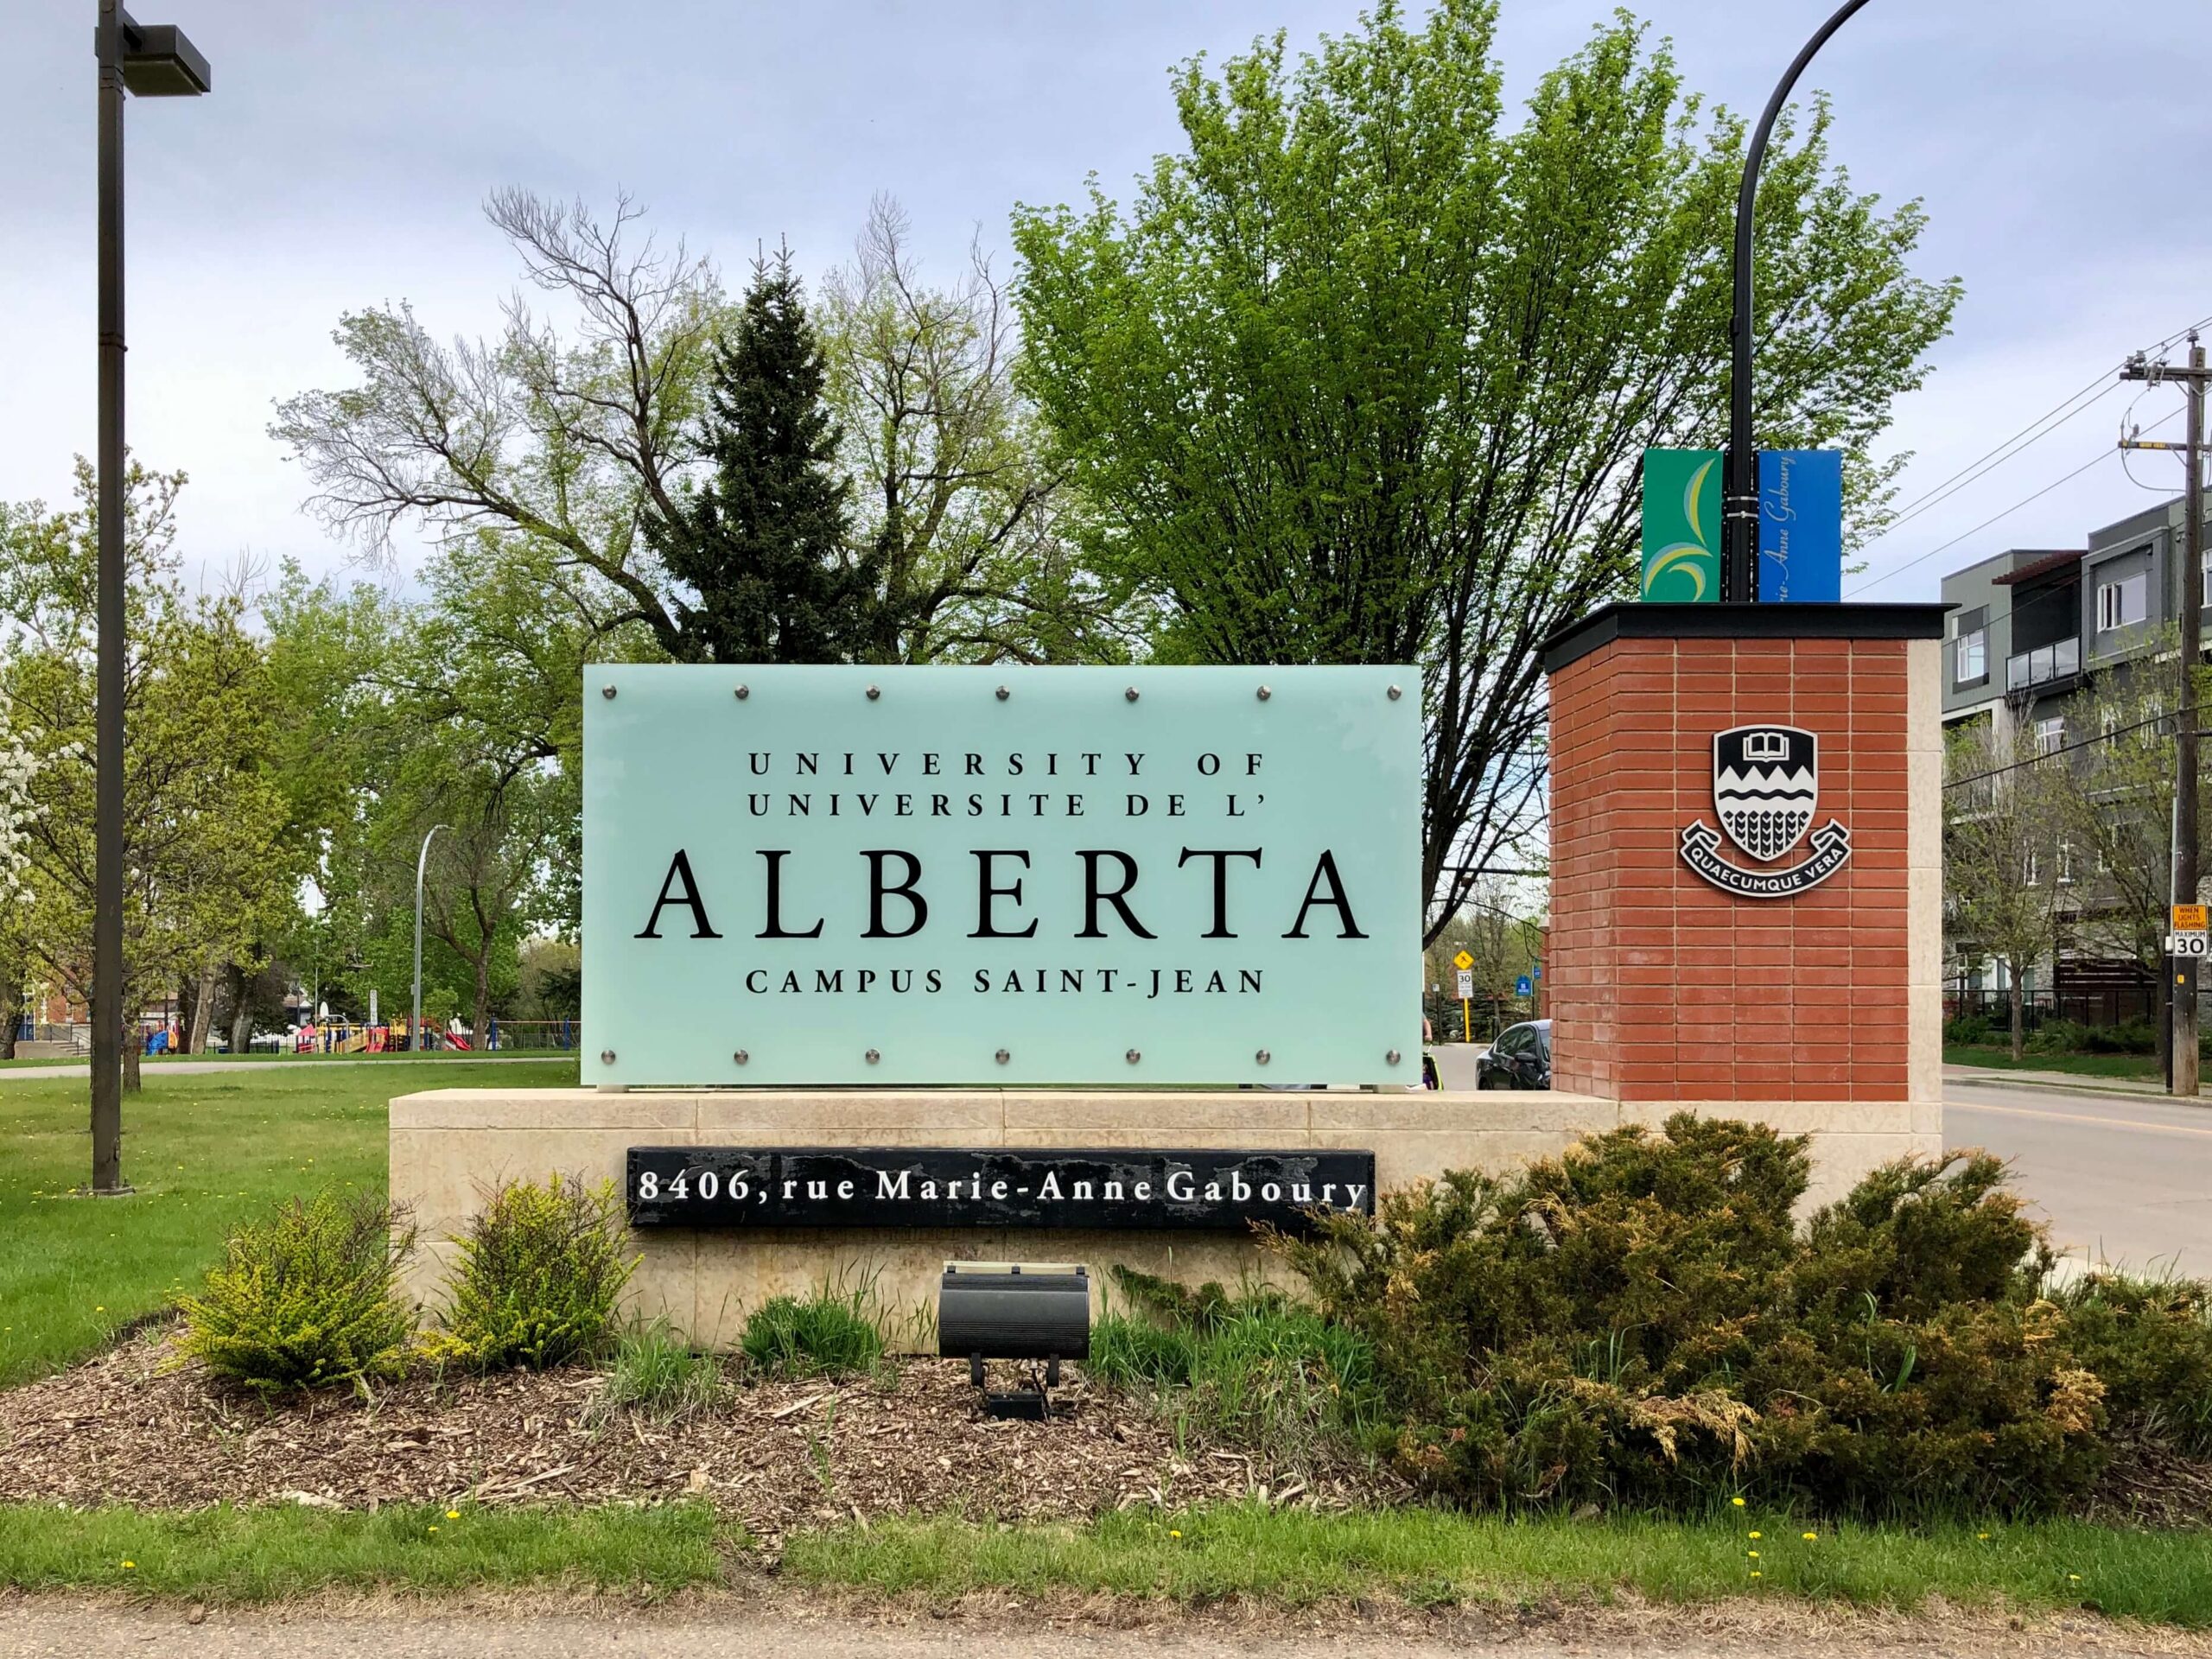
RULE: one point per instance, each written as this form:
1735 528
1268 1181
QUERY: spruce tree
763 541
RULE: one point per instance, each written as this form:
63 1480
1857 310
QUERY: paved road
2123 1180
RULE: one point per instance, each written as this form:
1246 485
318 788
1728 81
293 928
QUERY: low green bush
2150 1342
2072 1037
1256 1369
540 1270
1641 1322
1969 1030
307 1298
656 1372
827 1334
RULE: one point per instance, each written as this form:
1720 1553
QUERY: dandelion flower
1738 1501
1808 1536
433 1528
453 1514
1755 1572
1984 1535
129 1566
1754 1555
2074 1577
1172 1533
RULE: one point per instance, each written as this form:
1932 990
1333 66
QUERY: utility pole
2182 970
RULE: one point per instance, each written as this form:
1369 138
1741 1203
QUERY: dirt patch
762 1621
137 1425
2151 1485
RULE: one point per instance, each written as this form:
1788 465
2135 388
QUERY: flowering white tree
19 810
19 765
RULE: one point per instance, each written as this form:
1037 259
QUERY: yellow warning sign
2190 918
1463 961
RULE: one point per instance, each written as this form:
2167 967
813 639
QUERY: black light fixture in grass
1010 1309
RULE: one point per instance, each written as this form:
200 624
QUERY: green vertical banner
1682 527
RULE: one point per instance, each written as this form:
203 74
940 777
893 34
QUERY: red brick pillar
1817 1004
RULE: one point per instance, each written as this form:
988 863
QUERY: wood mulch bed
136 1426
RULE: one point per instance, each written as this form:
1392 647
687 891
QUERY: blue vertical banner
1801 526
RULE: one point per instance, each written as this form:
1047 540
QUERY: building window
2051 735
2065 863
1970 646
2122 604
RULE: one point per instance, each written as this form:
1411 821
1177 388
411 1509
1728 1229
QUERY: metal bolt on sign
1396 694
1131 694
1391 1056
743 692
606 692
1265 693
1133 1057
1262 1056
740 1057
873 692
1003 694
606 1057
1002 1057
873 1055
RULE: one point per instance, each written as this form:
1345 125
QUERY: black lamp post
1739 567
151 61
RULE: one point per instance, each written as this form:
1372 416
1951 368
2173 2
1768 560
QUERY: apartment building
2031 628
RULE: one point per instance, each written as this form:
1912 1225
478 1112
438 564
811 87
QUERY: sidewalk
2071 1083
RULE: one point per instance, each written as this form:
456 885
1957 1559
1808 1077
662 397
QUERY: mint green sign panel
1682 525
990 875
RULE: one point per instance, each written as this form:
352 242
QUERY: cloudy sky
348 145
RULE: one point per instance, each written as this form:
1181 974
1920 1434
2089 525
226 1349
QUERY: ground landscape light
1013 1310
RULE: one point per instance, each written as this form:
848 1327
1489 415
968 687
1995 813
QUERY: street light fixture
155 61
422 860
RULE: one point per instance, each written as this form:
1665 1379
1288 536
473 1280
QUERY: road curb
2057 1084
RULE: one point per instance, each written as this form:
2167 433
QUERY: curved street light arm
1741 526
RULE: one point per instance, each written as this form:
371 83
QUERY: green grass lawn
2087 1066
1426 1556
203 1152
1283 1557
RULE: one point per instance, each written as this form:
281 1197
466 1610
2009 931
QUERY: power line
2099 384
2048 421
2064 748
1898 570
1973 472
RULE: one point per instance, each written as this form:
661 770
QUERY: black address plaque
1113 1189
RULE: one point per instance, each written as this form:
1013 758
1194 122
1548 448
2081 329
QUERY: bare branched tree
566 441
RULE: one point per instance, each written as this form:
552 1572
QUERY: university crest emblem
1766 783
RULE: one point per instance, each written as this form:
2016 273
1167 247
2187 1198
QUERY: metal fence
2099 1006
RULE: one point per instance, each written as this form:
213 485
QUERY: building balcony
2056 661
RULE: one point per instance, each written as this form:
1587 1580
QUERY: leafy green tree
461 708
210 872
762 541
953 492
2119 825
1364 374
2007 875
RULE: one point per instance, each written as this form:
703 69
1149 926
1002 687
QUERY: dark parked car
1520 1058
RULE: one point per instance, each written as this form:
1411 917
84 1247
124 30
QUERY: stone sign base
449 1146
